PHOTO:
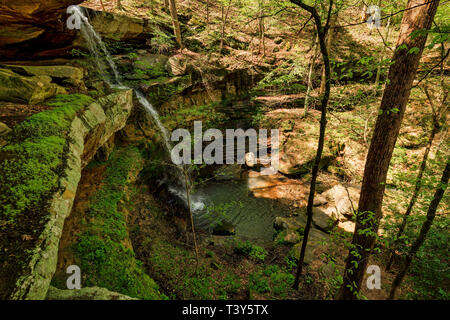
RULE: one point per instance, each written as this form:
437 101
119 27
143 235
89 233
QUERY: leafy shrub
253 251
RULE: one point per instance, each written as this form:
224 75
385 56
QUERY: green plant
253 251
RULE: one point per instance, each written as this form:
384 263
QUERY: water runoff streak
101 54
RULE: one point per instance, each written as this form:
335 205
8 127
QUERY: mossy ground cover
236 270
102 249
30 165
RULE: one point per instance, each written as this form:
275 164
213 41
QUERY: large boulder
119 27
70 75
91 293
343 200
316 240
298 148
27 89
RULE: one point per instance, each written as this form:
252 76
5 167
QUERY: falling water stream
98 49
253 217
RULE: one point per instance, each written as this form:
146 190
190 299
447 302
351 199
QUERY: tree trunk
262 44
377 77
401 76
431 214
329 40
314 49
166 6
224 23
321 32
175 22
103 6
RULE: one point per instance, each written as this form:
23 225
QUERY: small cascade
100 54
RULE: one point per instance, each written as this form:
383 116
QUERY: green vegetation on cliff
30 164
104 256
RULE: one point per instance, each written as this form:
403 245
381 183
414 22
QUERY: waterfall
98 48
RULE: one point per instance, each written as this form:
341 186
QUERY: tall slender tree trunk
431 214
175 22
315 48
329 41
262 44
224 22
321 32
401 76
166 5
383 54
207 11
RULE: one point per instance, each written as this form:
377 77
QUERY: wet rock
290 223
224 228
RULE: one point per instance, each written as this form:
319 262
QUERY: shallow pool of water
252 217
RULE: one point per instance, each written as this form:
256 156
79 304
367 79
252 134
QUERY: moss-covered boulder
90 293
70 75
27 89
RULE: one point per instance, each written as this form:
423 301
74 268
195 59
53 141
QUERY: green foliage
271 281
254 252
284 78
430 278
162 42
176 268
30 165
210 115
103 257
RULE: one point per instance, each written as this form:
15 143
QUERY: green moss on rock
101 248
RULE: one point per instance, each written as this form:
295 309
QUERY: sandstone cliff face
29 26
89 130
37 28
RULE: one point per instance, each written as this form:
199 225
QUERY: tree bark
378 75
224 23
321 32
175 22
431 214
401 76
312 63
329 40
166 5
